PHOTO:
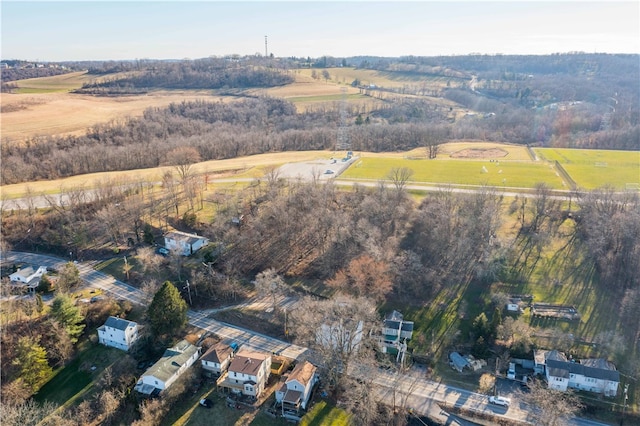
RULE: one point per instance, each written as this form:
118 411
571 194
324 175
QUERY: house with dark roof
295 392
216 359
593 375
396 331
174 362
118 333
184 243
248 374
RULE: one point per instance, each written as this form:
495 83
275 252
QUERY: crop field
512 174
596 168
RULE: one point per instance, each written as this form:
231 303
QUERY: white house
296 390
216 359
163 373
395 334
186 244
345 336
28 276
593 375
118 333
248 374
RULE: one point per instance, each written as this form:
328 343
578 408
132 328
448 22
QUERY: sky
120 30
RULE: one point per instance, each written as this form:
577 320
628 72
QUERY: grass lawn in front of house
325 414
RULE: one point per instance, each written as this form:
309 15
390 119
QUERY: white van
500 400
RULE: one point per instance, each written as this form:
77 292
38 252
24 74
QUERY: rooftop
171 361
119 323
184 236
217 353
303 372
247 362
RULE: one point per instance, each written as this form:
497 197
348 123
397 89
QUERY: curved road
418 393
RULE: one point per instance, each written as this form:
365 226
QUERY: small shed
458 362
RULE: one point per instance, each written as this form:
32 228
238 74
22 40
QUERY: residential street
410 390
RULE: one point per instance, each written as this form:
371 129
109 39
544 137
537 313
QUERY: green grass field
596 168
324 414
56 83
459 172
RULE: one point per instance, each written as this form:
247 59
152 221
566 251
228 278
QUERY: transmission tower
343 142
266 49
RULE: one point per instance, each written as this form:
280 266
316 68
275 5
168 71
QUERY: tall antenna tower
266 50
343 142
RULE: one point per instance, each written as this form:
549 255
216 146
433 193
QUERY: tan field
235 168
45 106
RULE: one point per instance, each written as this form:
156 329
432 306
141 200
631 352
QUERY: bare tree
400 176
269 283
183 158
554 407
338 330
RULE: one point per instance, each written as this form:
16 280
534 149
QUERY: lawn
592 168
75 380
512 174
325 414
187 411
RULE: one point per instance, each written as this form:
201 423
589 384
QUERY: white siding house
184 243
216 359
28 276
296 390
118 333
248 374
163 373
345 337
592 375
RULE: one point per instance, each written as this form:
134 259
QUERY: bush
45 285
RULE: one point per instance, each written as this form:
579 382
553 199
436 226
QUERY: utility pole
624 406
189 292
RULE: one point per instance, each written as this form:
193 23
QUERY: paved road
120 290
421 395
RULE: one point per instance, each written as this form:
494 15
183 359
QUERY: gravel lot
306 170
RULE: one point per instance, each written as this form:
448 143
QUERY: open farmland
463 164
45 114
596 168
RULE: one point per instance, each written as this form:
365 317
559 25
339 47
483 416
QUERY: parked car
500 400
162 251
206 403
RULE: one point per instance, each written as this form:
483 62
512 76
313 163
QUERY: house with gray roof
165 372
593 375
118 333
184 243
28 277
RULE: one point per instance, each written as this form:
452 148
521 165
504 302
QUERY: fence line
566 176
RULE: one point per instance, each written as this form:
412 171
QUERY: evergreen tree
31 359
481 327
167 312
68 315
496 320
